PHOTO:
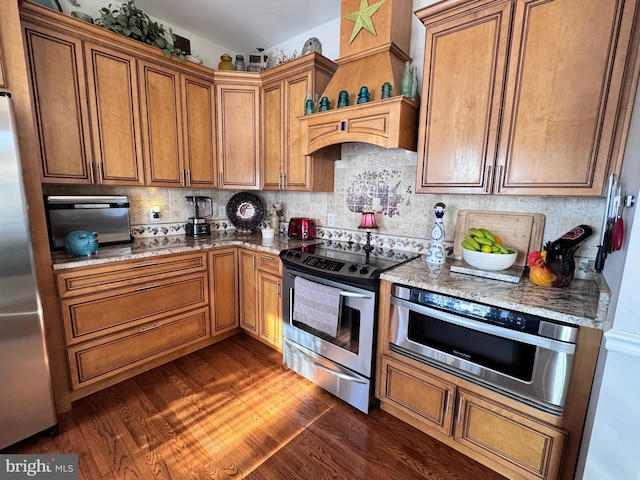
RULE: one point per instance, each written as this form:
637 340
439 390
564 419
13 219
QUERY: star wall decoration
362 18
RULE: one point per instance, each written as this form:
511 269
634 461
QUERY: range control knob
364 270
289 253
353 268
297 255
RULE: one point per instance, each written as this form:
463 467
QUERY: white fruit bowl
489 261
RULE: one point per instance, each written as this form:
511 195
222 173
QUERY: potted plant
130 21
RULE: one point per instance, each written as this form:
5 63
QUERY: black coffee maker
197 225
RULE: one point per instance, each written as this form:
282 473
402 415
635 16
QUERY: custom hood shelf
368 59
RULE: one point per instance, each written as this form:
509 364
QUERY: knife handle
600 257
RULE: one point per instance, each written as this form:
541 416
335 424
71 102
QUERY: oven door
352 347
531 368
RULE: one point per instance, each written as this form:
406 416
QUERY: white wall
201 48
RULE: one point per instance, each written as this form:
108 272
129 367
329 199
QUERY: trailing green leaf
130 21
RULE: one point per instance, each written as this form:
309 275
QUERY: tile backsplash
367 178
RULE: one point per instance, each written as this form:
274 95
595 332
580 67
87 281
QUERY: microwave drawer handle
486 328
330 371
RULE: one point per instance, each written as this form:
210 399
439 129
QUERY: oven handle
497 331
343 293
313 357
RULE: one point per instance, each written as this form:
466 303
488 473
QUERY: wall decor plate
245 211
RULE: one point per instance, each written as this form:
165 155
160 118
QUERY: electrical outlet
222 211
331 220
154 214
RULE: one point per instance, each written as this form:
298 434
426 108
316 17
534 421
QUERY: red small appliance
302 228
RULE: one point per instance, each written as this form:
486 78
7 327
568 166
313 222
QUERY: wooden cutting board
519 231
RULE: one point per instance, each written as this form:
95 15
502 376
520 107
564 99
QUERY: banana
487 234
468 246
476 232
483 241
495 249
501 248
470 240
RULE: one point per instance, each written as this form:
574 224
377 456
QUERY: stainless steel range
330 315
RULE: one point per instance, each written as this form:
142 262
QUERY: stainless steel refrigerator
26 398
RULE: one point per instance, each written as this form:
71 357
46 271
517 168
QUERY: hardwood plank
232 411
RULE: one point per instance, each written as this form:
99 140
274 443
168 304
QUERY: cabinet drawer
269 263
121 274
531 447
90 316
99 359
419 395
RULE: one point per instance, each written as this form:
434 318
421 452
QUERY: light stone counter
583 302
165 245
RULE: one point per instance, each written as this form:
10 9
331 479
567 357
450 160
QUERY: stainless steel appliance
520 355
106 214
198 225
342 361
26 402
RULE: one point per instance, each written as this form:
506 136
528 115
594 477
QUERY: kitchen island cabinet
540 107
284 166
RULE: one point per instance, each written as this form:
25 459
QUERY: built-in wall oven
520 355
330 296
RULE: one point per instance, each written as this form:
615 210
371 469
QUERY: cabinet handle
152 327
182 180
91 174
446 404
284 180
100 176
488 180
459 408
189 178
501 174
149 264
146 287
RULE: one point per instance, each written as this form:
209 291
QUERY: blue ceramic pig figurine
81 243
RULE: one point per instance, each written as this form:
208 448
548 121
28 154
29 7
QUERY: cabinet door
532 448
56 67
461 100
270 308
566 69
223 285
248 291
198 130
238 109
115 119
273 106
161 125
421 396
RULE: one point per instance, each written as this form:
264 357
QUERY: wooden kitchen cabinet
261 293
530 447
539 106
284 166
238 132
56 68
178 126
119 316
223 285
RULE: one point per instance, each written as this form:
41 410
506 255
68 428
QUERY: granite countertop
165 245
583 302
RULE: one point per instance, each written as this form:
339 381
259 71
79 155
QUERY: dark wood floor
232 411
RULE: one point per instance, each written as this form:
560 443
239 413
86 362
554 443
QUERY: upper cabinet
538 104
114 111
178 126
284 165
238 132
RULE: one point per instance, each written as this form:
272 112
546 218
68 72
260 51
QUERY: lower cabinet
261 294
530 448
121 315
223 288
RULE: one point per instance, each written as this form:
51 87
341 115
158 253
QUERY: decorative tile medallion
381 192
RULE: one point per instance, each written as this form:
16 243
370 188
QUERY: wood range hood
368 60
